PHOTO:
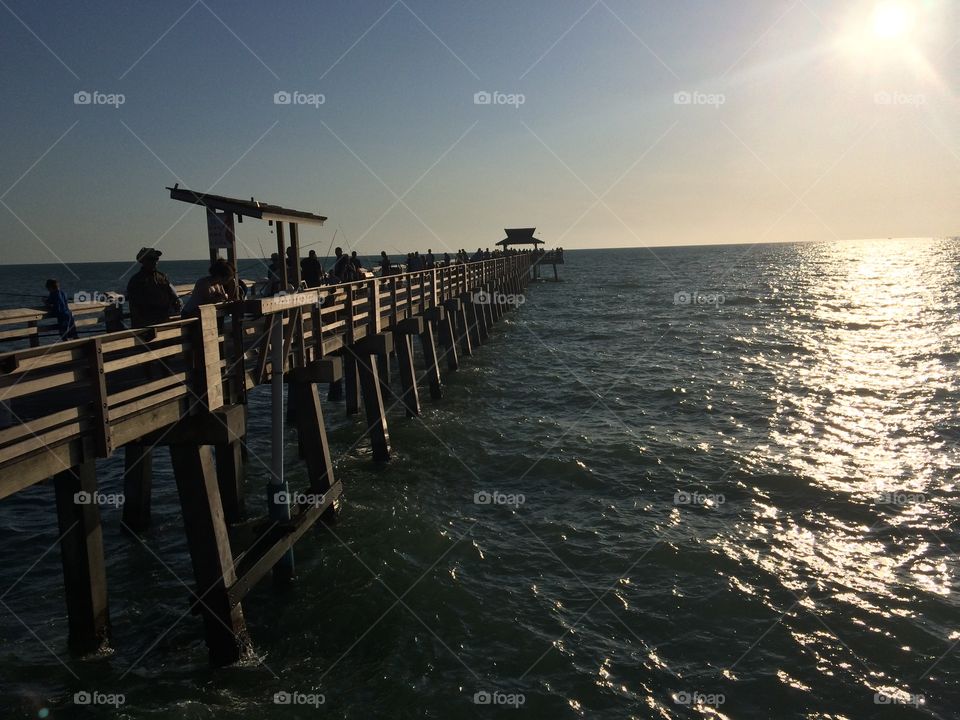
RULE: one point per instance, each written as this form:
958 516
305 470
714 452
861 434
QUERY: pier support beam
410 397
432 317
368 353
230 479
213 565
137 487
447 334
462 327
472 323
313 439
81 548
351 383
335 393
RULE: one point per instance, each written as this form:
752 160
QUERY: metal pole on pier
279 497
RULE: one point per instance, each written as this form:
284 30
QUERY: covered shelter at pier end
520 236
524 236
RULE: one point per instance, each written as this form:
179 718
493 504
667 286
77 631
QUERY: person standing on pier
429 261
57 303
151 296
357 266
386 268
311 270
342 267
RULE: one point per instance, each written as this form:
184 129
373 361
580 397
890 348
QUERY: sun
893 20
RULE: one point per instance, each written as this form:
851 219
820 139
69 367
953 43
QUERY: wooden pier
183 385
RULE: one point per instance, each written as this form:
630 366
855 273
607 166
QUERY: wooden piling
351 382
229 458
313 435
373 404
210 553
432 317
408 377
81 549
137 487
447 334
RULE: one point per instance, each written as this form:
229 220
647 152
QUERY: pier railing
61 401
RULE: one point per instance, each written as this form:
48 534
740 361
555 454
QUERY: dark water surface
744 506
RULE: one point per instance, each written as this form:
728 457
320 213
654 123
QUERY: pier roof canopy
520 236
249 208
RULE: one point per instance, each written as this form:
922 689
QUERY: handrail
97 387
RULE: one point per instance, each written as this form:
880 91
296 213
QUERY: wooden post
137 487
282 252
81 548
351 381
481 310
448 333
496 290
230 480
313 436
373 403
430 356
408 378
464 333
488 313
213 565
335 393
473 322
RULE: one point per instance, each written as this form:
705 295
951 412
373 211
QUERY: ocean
683 482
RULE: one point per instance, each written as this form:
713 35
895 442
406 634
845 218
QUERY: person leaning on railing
219 286
151 296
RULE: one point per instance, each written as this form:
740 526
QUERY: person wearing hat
151 296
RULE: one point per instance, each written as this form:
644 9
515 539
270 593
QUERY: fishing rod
259 262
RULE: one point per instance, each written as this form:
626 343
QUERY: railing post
209 383
376 322
103 442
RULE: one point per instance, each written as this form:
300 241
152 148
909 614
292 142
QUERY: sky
610 122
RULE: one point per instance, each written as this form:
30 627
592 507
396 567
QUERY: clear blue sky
837 120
